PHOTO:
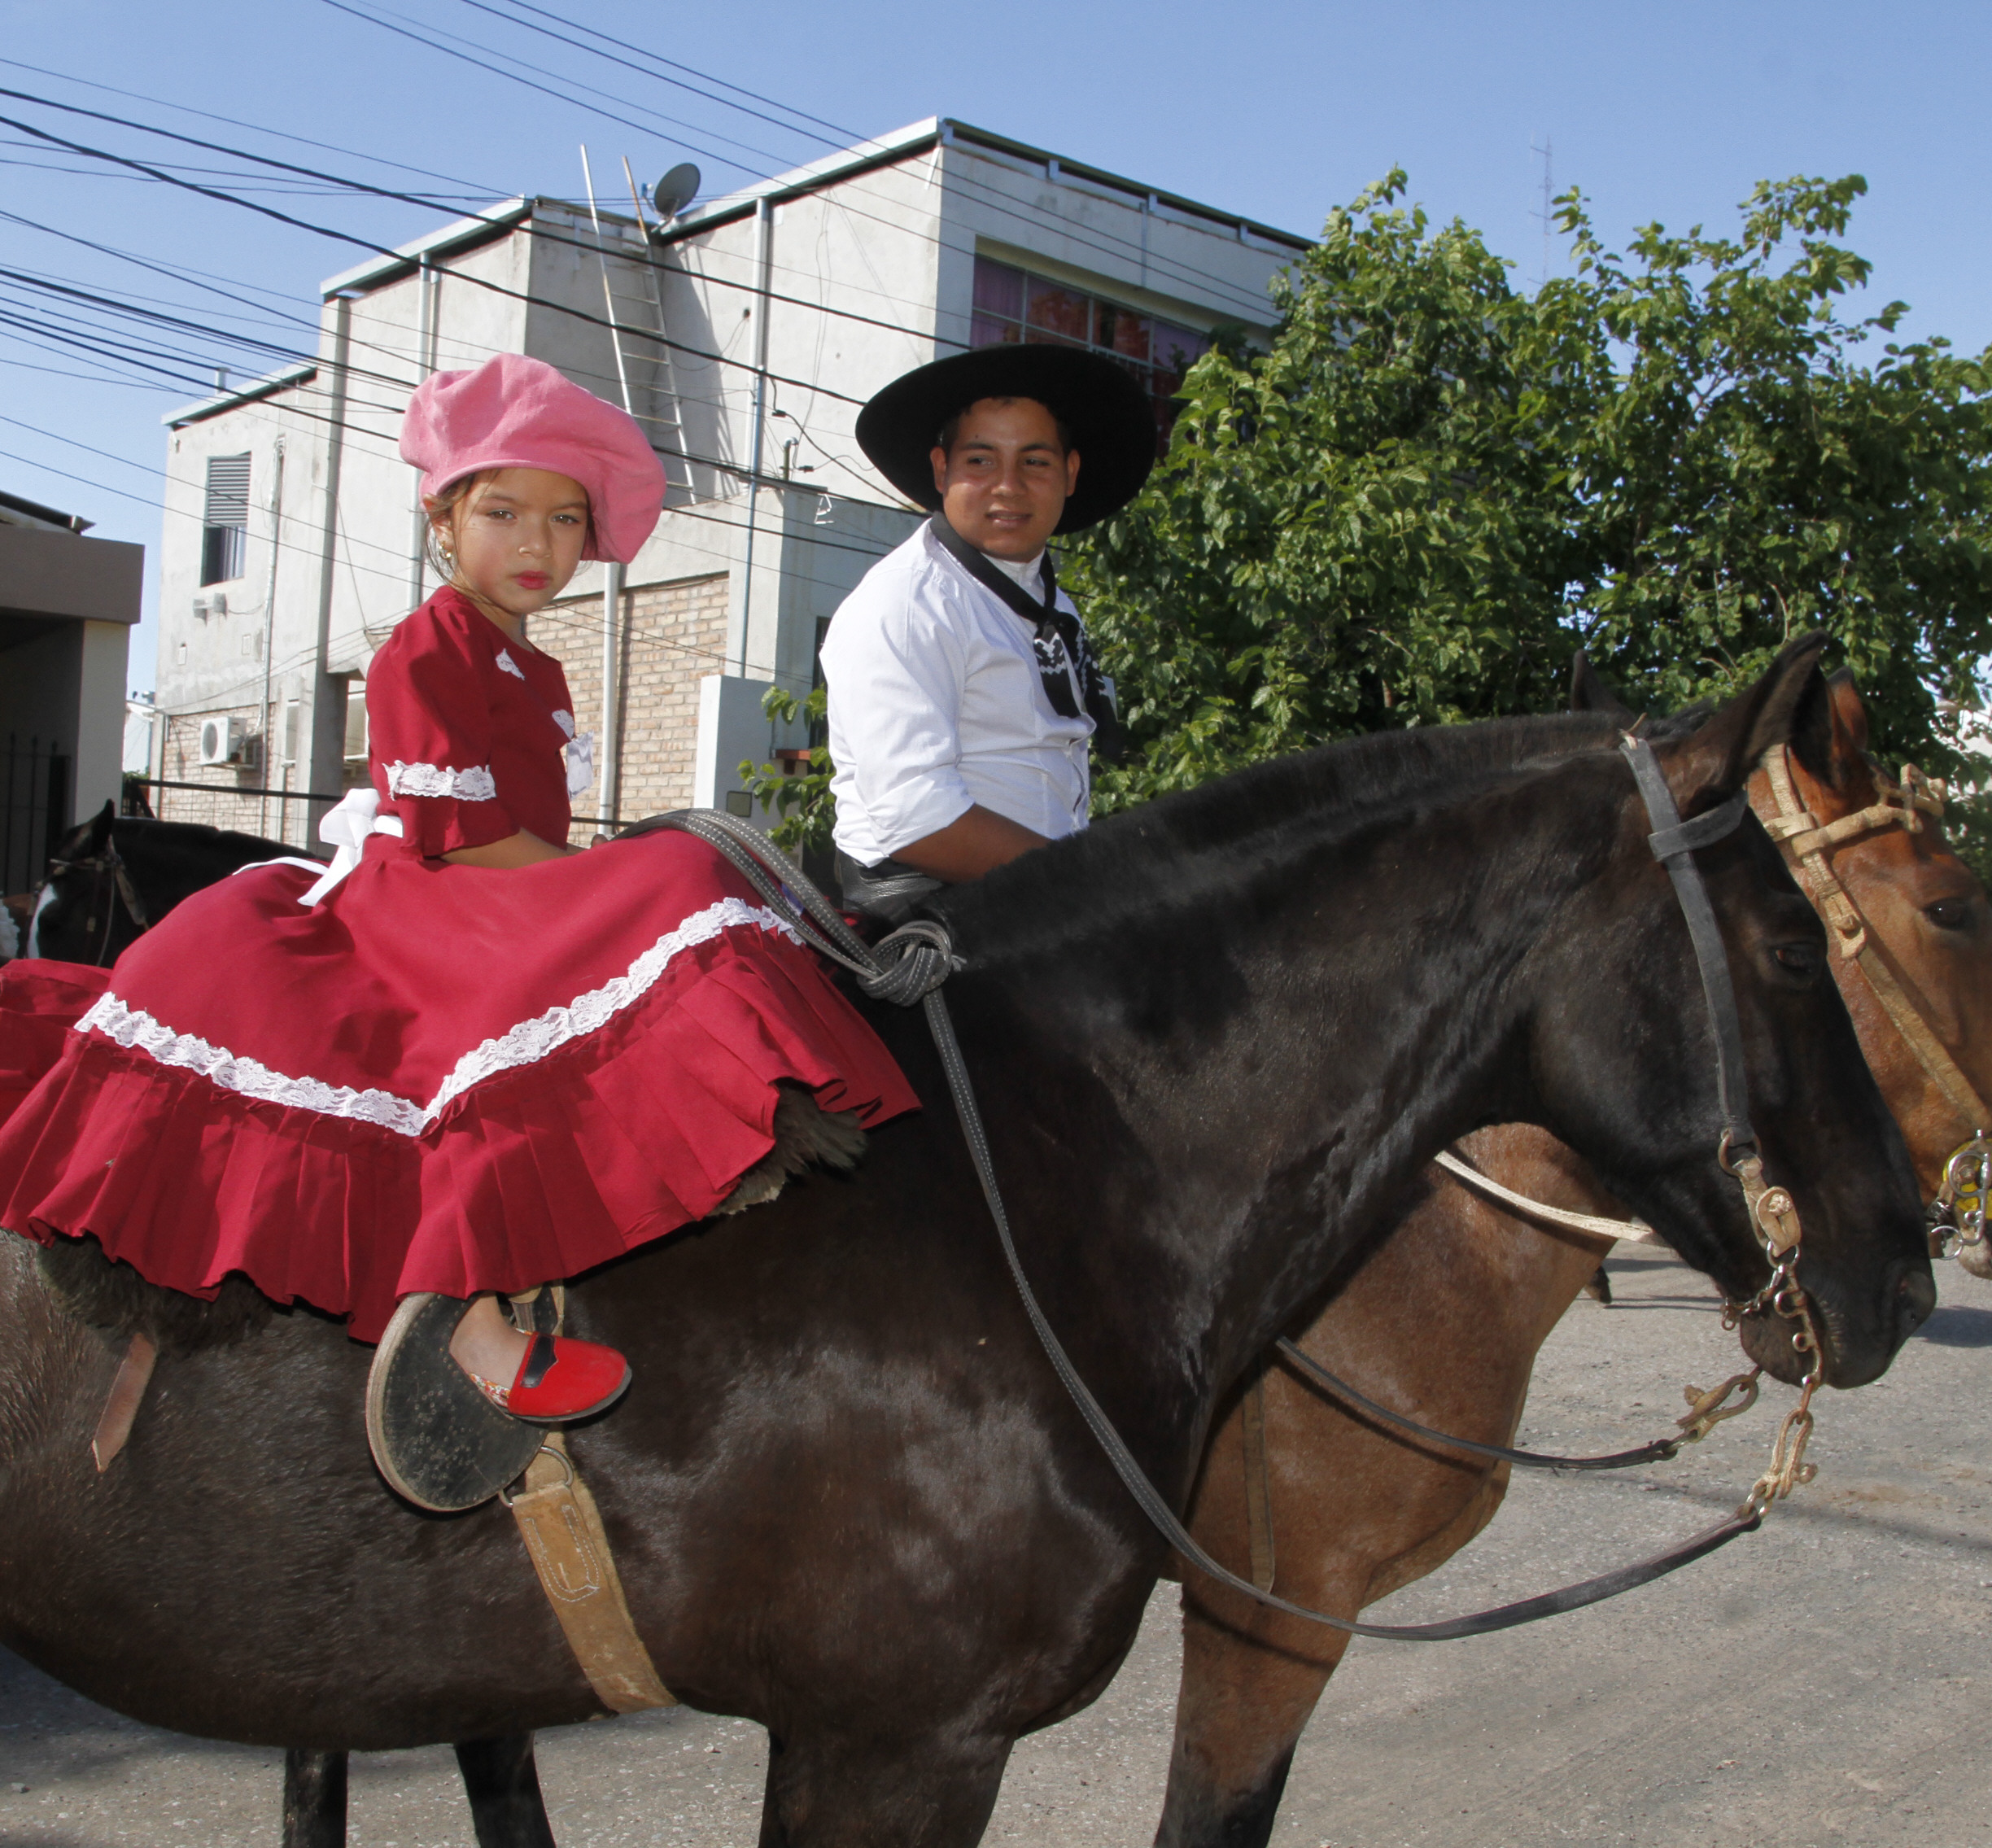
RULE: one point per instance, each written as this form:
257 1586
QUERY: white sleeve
895 666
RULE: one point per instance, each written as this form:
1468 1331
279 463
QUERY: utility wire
471 186
560 96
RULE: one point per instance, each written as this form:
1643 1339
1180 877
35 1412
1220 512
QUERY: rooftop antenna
1544 215
677 190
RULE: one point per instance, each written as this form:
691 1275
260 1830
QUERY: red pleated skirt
441 1078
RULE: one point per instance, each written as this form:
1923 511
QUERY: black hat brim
1102 404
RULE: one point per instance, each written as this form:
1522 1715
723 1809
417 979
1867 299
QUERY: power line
560 96
257 127
382 250
848 134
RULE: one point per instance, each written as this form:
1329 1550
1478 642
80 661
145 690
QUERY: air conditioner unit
201 607
223 740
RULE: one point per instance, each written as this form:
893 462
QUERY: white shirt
936 704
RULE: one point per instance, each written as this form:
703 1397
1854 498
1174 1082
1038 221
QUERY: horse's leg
845 1791
314 1803
503 1783
1243 1704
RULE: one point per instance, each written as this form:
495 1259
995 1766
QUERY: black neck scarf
1056 638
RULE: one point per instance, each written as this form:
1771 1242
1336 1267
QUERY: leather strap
121 1403
1633 1231
1258 1485
562 1530
1673 845
1808 843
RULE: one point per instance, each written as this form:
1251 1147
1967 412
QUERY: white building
746 332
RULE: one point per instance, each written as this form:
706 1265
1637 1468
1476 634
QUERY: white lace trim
525 1044
475 785
510 666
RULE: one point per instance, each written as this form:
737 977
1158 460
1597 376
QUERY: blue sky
1278 110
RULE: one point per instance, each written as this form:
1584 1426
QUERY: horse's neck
1224 1157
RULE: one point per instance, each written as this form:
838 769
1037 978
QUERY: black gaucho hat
1109 415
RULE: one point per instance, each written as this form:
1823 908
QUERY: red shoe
560 1380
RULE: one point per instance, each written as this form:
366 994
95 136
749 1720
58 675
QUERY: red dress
440 1077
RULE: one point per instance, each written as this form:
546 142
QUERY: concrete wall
67 605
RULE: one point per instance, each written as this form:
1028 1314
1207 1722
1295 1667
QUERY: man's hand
969 846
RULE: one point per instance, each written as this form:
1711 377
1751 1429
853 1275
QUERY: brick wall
674 635
221 803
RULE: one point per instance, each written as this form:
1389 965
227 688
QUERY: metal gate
34 807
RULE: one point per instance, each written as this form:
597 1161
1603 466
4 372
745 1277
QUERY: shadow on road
1952 1326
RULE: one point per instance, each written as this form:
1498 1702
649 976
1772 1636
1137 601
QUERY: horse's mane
1311 798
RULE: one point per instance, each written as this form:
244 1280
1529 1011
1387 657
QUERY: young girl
468 1058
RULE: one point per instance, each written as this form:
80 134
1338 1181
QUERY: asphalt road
1814 1686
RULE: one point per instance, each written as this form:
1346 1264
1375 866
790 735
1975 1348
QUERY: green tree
1432 487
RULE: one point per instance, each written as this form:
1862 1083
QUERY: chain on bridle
112 884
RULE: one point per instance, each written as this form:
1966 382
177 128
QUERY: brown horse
1444 1322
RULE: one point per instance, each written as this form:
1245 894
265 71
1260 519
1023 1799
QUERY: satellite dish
675 190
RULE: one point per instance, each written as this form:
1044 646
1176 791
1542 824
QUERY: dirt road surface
1817 1685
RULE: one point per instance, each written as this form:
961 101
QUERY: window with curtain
225 525
1012 304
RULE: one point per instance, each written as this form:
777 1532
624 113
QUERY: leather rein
911 965
119 889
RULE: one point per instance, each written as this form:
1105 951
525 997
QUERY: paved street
1815 1684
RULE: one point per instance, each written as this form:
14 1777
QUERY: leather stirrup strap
1258 1483
562 1530
121 1403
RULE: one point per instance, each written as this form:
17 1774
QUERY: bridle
1961 1198
1773 1212
117 889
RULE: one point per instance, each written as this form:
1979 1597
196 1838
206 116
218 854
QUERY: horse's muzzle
1854 1356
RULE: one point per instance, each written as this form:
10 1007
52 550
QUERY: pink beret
516 413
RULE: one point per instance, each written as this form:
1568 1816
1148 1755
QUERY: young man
962 695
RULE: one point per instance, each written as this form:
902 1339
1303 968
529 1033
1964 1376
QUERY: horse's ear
1829 734
1590 692
100 825
1716 761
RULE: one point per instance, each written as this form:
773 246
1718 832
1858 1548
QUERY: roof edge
263 387
459 234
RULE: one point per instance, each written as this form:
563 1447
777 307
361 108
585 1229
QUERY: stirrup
438 1441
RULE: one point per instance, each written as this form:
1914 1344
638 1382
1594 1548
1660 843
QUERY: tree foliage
1432 487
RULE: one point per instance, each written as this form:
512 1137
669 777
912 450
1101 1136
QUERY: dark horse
1216 1042
87 912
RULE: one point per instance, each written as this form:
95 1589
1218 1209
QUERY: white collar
1028 577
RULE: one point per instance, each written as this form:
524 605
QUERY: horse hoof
438 1441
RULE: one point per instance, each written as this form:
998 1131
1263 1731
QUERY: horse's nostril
1915 1297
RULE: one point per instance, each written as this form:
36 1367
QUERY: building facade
744 334
66 607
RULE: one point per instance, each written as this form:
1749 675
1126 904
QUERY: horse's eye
1801 958
1949 914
